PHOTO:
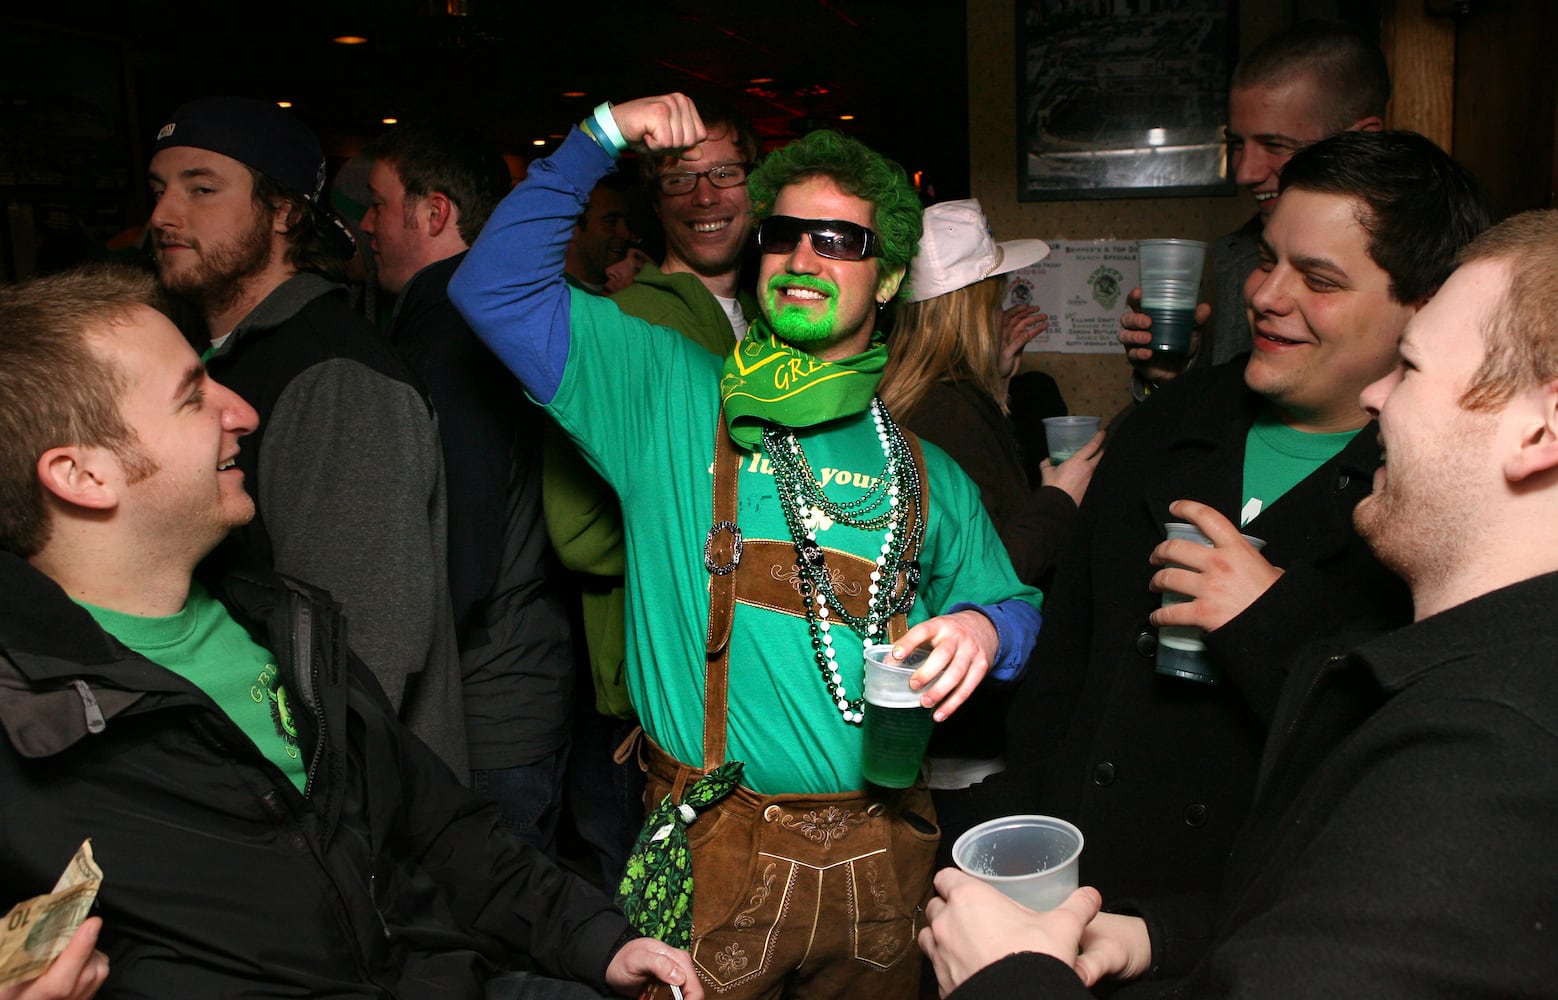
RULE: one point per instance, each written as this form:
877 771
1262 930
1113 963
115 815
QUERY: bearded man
776 519
345 467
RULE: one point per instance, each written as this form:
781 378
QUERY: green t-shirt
205 646
643 403
1278 458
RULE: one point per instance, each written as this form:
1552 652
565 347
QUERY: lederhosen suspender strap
723 549
764 573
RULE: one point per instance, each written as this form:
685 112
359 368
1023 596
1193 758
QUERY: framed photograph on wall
1123 98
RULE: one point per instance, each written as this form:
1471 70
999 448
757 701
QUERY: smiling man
1157 770
601 238
268 828
1308 81
1404 829
345 467
776 519
706 211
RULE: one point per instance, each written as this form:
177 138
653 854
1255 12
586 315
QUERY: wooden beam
1421 52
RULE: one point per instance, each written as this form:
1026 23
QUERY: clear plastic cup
1181 648
1065 435
1170 289
1031 859
897 728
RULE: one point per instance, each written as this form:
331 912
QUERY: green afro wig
857 170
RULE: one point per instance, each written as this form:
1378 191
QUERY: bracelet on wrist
606 129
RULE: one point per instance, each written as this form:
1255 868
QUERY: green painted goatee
798 324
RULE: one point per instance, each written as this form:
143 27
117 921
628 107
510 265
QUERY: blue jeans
530 797
605 798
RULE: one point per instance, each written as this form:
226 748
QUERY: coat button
1147 645
1103 774
1342 481
771 813
1195 815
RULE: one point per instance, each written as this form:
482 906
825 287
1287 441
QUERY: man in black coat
1157 770
1401 841
432 187
265 825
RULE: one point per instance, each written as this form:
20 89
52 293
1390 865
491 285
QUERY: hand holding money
76 974
46 943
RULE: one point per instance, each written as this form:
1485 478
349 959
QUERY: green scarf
766 381
657 884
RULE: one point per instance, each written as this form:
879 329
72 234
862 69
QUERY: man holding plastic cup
1158 771
1304 83
1402 844
776 520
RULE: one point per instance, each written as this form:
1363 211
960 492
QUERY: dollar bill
37 930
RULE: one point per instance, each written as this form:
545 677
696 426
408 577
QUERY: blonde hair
57 389
953 337
1520 334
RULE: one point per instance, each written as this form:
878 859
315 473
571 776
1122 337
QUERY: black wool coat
1400 846
1158 772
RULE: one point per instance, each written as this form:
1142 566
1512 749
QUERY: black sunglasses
833 238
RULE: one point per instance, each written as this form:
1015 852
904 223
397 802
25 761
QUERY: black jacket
1158 772
516 645
347 479
387 878
1401 841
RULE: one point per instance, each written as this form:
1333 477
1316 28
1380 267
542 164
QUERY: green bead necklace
891 505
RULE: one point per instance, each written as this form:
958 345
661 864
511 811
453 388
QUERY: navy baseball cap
267 138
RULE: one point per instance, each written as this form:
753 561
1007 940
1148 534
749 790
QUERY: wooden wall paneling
1421 53
1505 87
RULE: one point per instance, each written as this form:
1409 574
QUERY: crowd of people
315 625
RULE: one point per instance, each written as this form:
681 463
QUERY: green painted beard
798 324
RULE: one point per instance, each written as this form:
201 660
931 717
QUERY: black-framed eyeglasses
726 175
833 238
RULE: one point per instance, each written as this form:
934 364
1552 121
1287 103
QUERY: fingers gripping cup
1181 648
1066 435
896 728
1170 288
1031 859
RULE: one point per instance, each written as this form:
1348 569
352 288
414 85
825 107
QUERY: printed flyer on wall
1081 286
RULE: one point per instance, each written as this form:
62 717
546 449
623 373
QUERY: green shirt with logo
643 403
204 645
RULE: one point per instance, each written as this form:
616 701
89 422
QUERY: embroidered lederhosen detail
771 868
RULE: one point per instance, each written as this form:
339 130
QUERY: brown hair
954 337
311 246
1521 331
55 389
1348 69
722 121
449 159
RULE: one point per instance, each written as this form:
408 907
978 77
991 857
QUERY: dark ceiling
899 66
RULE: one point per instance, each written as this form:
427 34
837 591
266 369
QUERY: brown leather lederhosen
814 895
